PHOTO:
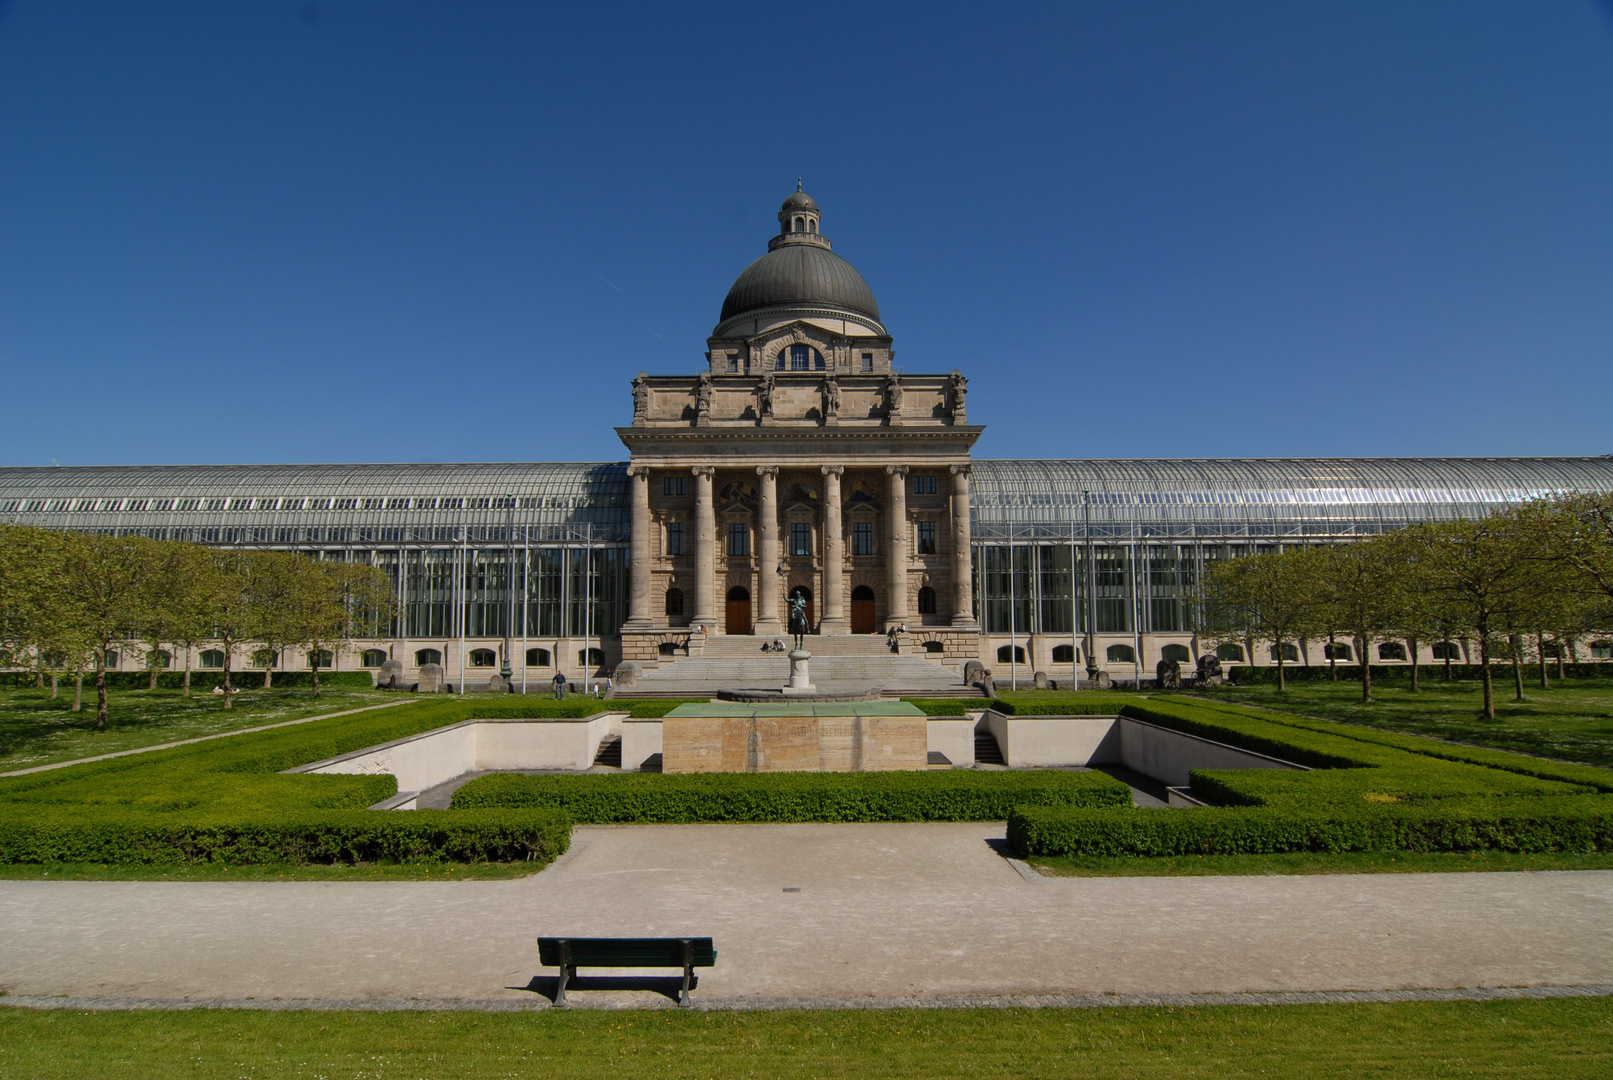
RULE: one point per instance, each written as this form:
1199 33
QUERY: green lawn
37 730
1573 720
1556 1039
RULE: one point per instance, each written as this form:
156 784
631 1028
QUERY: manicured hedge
940 795
1525 825
1428 671
1072 703
297 837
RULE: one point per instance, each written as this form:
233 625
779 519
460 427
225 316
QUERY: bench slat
627 952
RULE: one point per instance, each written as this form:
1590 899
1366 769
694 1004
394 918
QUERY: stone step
872 673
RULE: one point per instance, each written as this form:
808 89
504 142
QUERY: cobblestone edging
618 1001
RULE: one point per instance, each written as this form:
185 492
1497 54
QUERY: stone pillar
705 551
896 546
638 581
768 582
832 603
963 604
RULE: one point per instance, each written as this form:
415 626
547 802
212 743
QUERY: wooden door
862 610
738 614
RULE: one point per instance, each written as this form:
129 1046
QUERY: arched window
1391 650
1178 653
926 601
265 658
1005 657
1229 652
591 657
812 227
1291 653
483 658
667 648
537 658
798 226
373 658
799 358
1334 652
1064 654
1121 654
212 658
112 658
1447 650
934 647
674 603
422 657
163 658
321 658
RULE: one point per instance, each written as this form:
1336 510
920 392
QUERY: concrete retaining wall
955 739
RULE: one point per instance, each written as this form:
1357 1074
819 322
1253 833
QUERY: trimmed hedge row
297 837
1073 703
1583 823
942 795
1428 671
249 679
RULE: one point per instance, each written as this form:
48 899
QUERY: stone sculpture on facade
957 390
764 397
641 399
893 398
831 399
702 400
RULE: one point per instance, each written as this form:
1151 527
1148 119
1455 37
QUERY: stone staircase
841 664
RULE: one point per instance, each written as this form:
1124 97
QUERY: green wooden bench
569 954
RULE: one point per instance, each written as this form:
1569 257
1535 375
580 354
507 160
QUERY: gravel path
885 915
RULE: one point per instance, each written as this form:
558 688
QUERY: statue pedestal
800 680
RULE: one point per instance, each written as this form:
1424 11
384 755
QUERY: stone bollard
625 677
391 676
1039 680
1168 675
973 672
430 678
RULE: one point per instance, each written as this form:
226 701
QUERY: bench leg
568 971
688 973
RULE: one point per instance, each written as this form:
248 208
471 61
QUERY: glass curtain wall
544 592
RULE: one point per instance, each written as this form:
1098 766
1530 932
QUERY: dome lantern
799 216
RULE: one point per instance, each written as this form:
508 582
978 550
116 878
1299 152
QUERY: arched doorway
862 610
811 617
738 614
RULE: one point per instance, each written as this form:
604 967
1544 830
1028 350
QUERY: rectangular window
674 538
674 485
800 538
924 485
926 537
868 362
862 538
738 539
733 363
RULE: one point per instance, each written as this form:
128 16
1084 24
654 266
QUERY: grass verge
372 871
1522 1039
1314 862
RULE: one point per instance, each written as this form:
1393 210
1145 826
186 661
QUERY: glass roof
327 503
1258 497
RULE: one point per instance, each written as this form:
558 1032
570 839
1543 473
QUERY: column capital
832 470
896 470
767 470
638 470
959 470
707 471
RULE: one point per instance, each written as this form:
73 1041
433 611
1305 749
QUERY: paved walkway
885 914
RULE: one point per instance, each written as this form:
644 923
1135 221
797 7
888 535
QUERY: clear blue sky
340 231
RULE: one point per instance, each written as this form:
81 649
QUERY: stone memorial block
430 678
1168 674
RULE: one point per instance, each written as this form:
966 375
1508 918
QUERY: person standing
560 685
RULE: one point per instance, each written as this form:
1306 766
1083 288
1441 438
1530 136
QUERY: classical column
896 546
705 550
768 582
963 604
638 581
833 603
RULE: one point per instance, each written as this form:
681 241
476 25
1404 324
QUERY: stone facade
799 461
800 743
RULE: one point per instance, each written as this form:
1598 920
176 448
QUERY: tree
1356 586
1416 616
182 608
29 560
331 602
231 581
1270 596
1480 573
107 584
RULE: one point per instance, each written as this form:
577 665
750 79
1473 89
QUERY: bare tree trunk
316 676
1561 649
100 690
1485 675
187 671
39 681
153 685
1366 669
227 690
268 673
1332 658
1411 643
1540 647
55 685
1282 680
78 691
1515 640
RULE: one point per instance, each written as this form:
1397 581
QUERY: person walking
560 685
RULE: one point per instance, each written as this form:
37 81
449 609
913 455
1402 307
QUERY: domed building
795 470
